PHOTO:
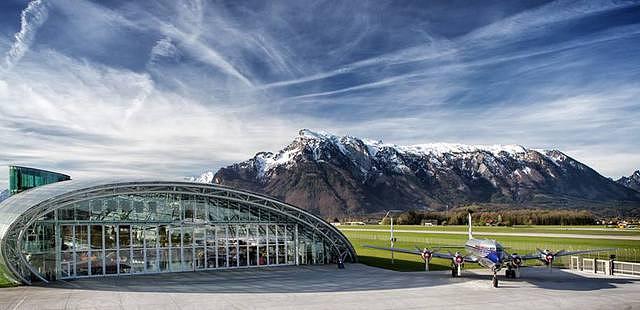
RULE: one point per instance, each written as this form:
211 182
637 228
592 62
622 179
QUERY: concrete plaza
326 287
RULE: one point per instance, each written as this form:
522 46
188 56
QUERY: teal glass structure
24 178
101 228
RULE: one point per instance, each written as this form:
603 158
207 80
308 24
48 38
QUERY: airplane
487 253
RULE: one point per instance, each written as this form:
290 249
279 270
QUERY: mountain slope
332 176
632 181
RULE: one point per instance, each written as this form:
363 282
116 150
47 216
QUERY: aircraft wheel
495 282
454 272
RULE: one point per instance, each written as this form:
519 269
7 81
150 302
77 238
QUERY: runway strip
576 236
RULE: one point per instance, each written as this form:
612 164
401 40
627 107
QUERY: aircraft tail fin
469 223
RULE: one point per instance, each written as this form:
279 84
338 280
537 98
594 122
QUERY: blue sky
173 88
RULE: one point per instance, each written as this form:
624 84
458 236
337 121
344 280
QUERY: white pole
392 260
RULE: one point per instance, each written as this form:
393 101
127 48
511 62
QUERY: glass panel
137 261
125 261
271 255
151 262
66 233
150 236
200 210
232 245
291 246
137 233
242 244
66 263
211 257
66 213
222 246
96 237
163 236
262 252
200 258
111 262
96 262
164 210
252 255
82 263
163 260
174 207
187 208
176 261
83 211
124 235
176 238
187 236
110 209
125 208
187 259
139 212
198 236
152 209
96 209
110 237
82 238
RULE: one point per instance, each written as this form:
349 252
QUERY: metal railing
604 266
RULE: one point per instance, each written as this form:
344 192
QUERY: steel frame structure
20 211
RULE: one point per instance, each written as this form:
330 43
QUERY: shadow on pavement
327 278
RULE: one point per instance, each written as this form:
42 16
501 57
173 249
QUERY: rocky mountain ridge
339 175
632 181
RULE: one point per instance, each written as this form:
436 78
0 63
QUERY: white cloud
31 18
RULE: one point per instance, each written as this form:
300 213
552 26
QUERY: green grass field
4 282
626 250
587 230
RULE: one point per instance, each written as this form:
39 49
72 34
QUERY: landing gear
512 272
494 281
456 270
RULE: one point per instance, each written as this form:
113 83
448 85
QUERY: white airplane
489 254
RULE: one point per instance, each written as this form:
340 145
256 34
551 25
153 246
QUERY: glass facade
23 178
155 232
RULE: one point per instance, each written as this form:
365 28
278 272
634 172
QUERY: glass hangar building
97 228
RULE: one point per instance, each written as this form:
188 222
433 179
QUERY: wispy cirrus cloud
31 18
171 88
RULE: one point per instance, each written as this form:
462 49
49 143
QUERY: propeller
516 259
547 256
426 255
458 259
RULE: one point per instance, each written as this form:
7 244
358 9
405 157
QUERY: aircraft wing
567 253
416 252
562 253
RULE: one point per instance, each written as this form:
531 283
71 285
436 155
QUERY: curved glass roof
18 211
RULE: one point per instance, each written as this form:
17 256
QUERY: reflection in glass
124 235
110 237
124 261
82 263
96 262
96 237
137 261
151 262
111 262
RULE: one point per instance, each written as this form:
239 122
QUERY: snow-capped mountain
206 177
335 175
632 181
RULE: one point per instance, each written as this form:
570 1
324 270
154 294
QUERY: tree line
500 218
